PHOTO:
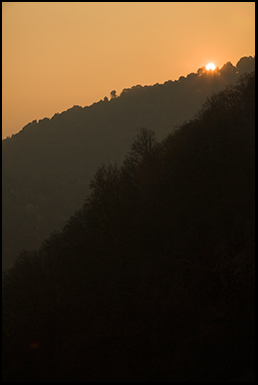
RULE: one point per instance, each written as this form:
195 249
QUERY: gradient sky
57 55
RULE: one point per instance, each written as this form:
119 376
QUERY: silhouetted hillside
48 164
153 278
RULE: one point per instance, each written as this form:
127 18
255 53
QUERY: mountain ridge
245 64
48 164
153 278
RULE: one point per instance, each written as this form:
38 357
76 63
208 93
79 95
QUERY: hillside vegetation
152 279
47 166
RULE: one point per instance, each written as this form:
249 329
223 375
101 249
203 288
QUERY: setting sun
210 66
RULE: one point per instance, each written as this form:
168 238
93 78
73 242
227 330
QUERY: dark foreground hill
48 164
153 278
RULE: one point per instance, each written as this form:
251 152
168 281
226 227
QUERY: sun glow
210 66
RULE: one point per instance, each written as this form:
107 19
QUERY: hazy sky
57 55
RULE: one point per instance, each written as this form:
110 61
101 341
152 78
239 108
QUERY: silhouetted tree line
47 166
153 278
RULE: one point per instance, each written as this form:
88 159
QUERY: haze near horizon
57 55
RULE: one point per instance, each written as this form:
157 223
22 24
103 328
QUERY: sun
210 66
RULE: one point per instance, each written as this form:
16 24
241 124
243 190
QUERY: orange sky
57 55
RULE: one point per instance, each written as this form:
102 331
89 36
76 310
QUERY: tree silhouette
143 144
113 94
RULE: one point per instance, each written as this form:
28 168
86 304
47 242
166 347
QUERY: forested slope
47 166
153 278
